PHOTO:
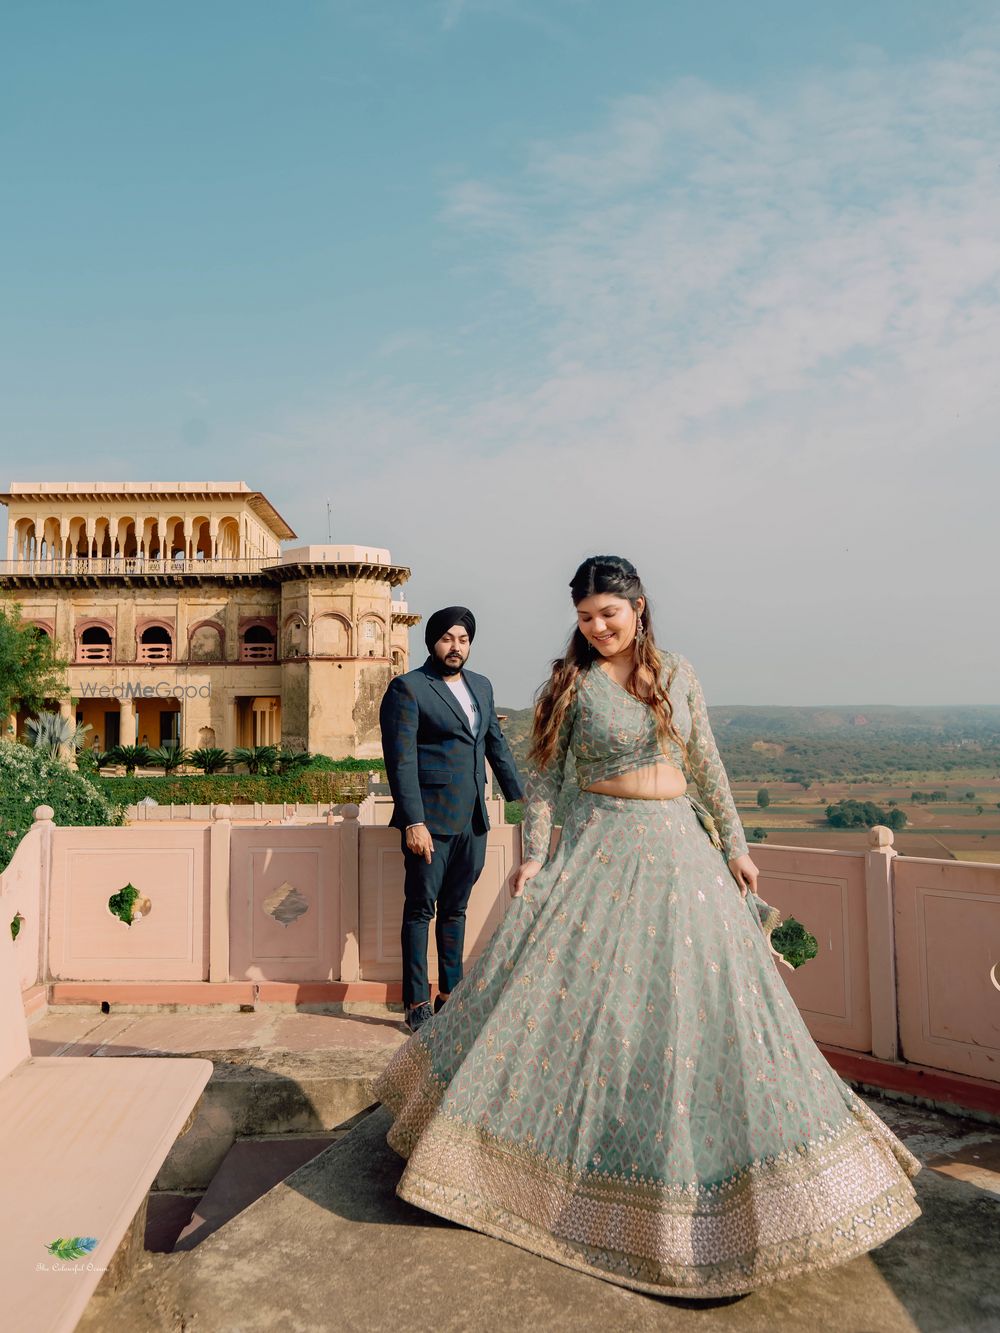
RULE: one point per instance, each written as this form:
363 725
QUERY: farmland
808 759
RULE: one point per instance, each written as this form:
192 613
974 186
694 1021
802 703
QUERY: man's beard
452 666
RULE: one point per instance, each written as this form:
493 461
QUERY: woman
622 1082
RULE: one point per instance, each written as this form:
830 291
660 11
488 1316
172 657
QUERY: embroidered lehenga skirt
622 1082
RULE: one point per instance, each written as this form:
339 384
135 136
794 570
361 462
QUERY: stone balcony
302 561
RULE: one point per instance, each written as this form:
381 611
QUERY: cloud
451 12
763 334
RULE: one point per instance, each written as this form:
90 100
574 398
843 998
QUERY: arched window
94 645
156 644
206 643
331 636
372 638
295 636
258 644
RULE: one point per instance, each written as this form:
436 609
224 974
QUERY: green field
808 759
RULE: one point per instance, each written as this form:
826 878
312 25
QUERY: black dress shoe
439 1003
418 1015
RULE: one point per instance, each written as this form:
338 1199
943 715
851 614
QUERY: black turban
441 622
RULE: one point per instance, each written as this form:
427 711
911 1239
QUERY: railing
155 652
94 652
257 652
908 968
111 566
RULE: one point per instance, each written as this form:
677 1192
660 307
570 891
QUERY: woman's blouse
610 732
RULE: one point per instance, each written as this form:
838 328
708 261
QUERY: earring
640 629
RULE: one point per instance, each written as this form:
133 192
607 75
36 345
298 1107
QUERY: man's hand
420 842
745 873
519 877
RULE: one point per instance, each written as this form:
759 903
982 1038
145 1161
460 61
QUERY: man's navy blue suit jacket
435 766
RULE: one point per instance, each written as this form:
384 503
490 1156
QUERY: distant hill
787 742
953 722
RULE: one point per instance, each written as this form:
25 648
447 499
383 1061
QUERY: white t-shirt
460 690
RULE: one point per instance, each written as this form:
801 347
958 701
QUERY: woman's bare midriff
658 782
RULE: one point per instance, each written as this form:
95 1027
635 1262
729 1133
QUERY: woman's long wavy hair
616 576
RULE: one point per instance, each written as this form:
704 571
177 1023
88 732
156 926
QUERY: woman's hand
745 873
520 876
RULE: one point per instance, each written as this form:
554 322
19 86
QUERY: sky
713 285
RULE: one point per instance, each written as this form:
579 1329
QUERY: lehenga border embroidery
711 1240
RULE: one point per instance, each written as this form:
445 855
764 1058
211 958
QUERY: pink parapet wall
947 928
908 968
24 895
168 941
826 891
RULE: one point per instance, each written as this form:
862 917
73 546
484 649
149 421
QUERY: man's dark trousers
445 883
436 767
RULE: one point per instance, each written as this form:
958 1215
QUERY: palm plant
131 756
257 758
50 732
291 759
169 757
210 759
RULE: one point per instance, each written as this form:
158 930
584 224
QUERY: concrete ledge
218 994
929 1087
35 1001
332 1247
253 1092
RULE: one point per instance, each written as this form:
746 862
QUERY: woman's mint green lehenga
622 1082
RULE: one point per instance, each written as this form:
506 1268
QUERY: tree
54 733
131 756
169 757
863 814
31 670
763 798
210 759
257 758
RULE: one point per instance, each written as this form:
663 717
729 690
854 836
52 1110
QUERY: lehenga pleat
622 1082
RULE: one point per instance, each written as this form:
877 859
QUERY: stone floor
331 1247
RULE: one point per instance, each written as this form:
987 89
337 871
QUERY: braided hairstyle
616 576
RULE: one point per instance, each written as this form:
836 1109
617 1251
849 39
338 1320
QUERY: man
439 726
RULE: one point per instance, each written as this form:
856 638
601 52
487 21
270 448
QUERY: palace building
185 620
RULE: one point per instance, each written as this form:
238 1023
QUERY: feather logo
74 1248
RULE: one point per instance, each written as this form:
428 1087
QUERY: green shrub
324 762
306 785
132 756
28 779
122 902
793 942
168 757
210 759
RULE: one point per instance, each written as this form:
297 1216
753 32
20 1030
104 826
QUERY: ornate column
126 725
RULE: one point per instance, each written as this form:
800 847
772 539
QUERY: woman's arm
709 774
543 788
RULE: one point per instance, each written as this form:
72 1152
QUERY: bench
81 1142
